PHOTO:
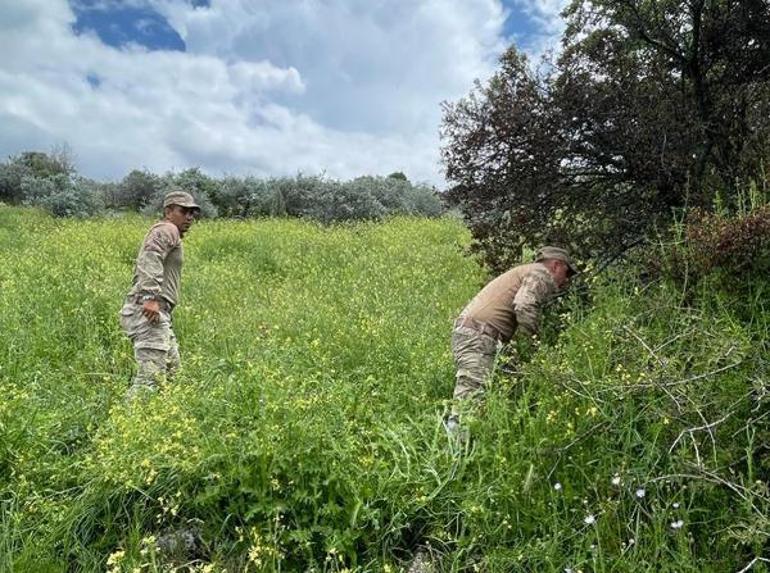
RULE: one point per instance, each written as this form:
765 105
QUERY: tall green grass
304 431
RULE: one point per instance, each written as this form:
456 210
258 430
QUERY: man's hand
151 309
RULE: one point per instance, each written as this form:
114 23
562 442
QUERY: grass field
304 433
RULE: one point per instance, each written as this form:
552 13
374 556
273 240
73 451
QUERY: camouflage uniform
157 276
510 303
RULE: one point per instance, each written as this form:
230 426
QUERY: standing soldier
146 314
511 303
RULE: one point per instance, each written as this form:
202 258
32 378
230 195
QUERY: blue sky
342 87
123 25
119 24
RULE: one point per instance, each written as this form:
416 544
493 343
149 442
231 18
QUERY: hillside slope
304 433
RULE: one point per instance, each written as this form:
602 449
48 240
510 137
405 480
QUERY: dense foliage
651 106
304 433
734 245
51 182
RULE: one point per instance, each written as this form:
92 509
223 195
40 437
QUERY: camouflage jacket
158 269
514 300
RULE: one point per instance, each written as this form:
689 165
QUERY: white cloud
546 12
547 29
268 88
377 66
261 76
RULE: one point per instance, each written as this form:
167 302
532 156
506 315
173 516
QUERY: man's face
182 217
560 273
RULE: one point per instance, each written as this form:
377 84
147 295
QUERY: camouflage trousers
155 347
474 355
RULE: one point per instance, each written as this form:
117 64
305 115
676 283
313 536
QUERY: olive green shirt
514 300
158 269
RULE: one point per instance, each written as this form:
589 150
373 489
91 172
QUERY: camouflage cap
181 198
556 253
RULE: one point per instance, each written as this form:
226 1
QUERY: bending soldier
511 303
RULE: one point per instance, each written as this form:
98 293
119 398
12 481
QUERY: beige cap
556 253
181 198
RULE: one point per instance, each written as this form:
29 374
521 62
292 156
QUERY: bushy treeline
50 181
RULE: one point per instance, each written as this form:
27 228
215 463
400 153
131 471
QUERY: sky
260 87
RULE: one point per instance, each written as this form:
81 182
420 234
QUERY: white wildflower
677 524
640 493
589 519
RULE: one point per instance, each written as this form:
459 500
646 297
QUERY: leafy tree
398 175
57 162
298 196
11 174
347 202
652 105
195 181
32 164
502 151
61 195
397 195
198 184
242 197
425 201
136 190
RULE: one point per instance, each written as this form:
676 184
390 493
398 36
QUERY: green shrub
242 197
399 196
345 202
363 198
736 245
135 191
717 249
60 195
10 182
32 164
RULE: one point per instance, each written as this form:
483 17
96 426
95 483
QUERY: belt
480 327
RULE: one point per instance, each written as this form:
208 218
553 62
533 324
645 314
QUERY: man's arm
536 288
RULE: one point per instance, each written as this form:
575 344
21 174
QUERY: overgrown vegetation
50 181
304 433
650 107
